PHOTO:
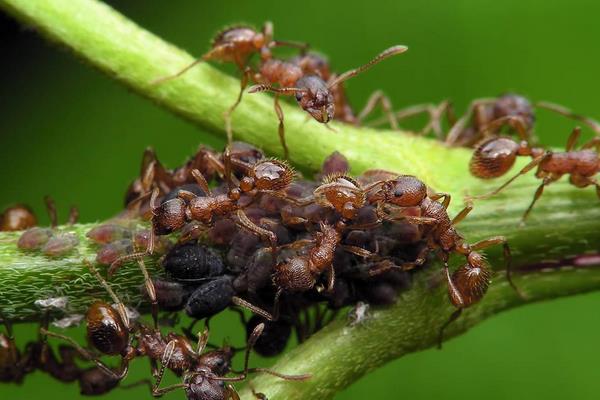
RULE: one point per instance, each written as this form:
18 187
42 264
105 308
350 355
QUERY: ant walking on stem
237 45
494 157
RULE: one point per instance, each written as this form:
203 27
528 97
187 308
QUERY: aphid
312 92
17 218
274 338
494 157
487 117
190 262
46 239
469 283
236 45
107 233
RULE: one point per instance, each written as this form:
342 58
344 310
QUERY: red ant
468 284
237 45
497 155
488 116
110 332
313 93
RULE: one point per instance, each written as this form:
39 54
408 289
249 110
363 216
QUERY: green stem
565 222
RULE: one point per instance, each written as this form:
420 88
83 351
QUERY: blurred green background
69 131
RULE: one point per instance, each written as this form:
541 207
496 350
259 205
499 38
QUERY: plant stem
566 221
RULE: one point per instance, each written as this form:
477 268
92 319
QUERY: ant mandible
237 45
494 157
312 92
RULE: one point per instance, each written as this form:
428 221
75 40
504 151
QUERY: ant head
494 157
471 280
106 329
169 216
342 193
511 104
294 275
270 174
404 191
315 98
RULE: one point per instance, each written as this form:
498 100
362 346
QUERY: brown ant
469 283
236 45
17 218
488 116
312 92
497 155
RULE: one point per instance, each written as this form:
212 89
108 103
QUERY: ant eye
398 193
298 96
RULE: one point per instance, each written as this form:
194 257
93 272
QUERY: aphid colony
237 230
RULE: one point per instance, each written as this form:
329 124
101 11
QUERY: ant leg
593 143
446 197
482 244
256 310
379 98
450 320
202 341
281 129
86 354
331 279
573 138
227 114
201 181
244 222
463 214
404 113
121 307
51 208
181 72
536 196
593 124
515 122
534 163
231 393
149 285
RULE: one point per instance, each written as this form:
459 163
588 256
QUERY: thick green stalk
565 222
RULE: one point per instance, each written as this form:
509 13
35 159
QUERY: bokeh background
68 131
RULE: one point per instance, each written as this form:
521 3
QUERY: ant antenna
392 51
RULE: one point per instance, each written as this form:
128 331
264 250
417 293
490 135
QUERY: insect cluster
238 230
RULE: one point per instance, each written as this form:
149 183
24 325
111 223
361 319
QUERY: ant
312 92
17 218
488 116
237 45
469 283
497 155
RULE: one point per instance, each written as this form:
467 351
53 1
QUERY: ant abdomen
105 329
17 218
472 283
493 157
271 175
94 381
169 216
